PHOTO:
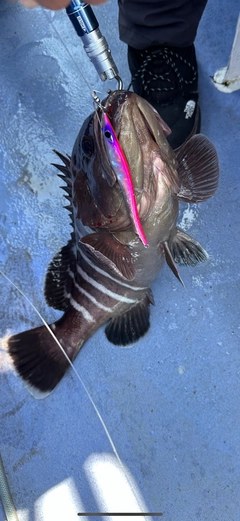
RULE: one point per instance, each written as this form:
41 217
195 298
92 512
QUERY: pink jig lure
121 168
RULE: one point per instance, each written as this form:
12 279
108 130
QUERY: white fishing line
82 384
68 359
48 17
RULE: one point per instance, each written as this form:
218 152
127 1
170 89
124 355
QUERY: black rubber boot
167 77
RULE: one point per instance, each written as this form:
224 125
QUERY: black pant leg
144 23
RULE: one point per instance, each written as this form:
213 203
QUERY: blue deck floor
171 402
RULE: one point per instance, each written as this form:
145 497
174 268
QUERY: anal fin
133 324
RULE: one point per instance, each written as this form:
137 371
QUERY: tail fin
38 359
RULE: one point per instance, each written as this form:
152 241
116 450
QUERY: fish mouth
136 132
142 135
119 108
98 199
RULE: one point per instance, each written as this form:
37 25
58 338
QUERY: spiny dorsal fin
65 169
131 325
66 176
62 169
198 169
65 159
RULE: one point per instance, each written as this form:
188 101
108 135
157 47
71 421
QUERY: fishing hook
97 100
120 82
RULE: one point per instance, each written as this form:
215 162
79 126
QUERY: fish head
141 133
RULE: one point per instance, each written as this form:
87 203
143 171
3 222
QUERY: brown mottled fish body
105 272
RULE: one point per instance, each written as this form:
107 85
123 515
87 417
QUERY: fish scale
104 274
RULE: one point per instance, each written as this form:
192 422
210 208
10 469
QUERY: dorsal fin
65 169
66 176
65 159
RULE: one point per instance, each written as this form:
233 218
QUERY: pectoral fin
131 325
198 170
113 254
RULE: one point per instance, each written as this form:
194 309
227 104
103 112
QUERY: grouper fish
104 273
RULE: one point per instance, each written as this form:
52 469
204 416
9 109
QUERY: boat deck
170 403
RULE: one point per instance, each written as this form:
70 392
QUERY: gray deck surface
171 402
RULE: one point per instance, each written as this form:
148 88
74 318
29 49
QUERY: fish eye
108 135
87 145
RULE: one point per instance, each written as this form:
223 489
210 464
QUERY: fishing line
92 91
48 17
69 361
81 382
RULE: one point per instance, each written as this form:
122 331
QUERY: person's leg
162 61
